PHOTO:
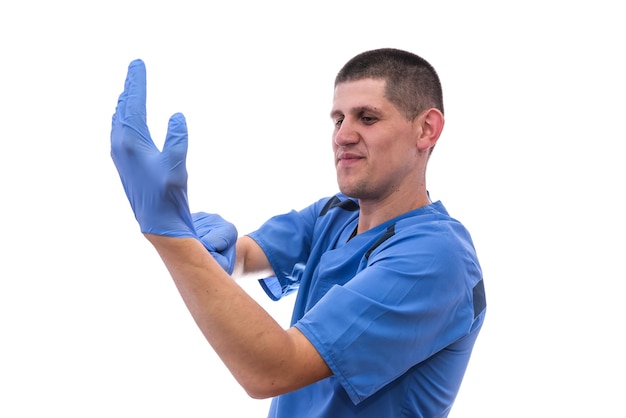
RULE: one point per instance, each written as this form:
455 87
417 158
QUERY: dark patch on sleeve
478 294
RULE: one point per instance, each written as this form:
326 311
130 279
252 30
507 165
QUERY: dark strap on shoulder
335 202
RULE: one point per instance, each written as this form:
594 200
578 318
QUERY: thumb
176 139
174 154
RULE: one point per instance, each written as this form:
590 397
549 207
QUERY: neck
375 212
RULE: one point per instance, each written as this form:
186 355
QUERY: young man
390 292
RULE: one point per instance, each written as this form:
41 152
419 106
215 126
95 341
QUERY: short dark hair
412 84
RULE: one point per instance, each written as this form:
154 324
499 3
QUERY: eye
338 123
368 120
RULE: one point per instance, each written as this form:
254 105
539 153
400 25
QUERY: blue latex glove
155 182
218 236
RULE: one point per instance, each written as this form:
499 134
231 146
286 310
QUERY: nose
346 134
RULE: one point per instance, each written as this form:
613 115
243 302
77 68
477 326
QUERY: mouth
346 158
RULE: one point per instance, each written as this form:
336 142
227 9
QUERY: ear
429 125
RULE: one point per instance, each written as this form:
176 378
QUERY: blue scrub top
394 311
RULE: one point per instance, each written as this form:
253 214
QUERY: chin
352 192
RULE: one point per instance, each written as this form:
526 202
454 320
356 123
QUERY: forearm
263 357
248 340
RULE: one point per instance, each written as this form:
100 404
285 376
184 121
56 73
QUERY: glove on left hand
155 182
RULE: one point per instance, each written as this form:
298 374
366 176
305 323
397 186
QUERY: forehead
367 92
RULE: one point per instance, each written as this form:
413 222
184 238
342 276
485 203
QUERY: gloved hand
218 236
155 181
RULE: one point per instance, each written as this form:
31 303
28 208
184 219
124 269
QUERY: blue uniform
394 311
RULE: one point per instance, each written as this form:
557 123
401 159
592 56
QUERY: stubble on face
372 144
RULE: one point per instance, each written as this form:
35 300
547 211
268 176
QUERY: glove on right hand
218 236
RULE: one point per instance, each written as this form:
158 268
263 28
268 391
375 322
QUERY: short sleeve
286 240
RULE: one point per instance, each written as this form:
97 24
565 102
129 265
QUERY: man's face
374 145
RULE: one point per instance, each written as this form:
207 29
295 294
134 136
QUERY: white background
531 160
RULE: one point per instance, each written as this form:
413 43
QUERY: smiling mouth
347 161
348 157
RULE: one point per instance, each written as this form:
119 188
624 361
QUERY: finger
214 231
131 113
135 94
221 237
120 109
